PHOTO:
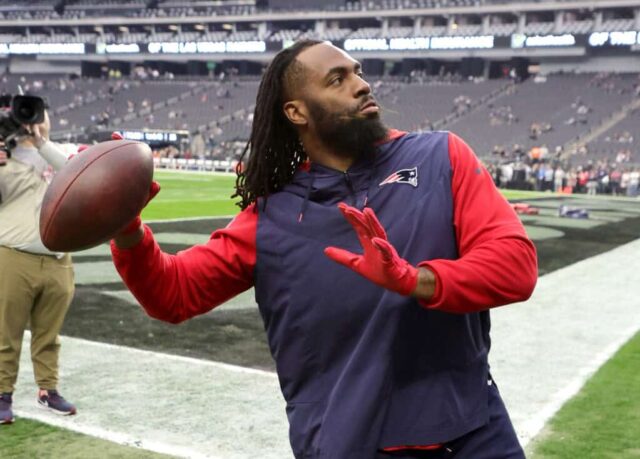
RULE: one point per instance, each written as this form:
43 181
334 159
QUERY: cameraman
36 285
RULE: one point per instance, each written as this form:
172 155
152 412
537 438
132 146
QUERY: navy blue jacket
362 368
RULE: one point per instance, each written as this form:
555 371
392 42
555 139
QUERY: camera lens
28 109
25 112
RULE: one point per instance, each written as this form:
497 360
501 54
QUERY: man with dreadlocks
375 255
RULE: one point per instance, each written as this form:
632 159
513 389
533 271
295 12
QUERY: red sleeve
497 262
174 288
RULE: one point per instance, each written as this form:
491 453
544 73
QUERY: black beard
348 133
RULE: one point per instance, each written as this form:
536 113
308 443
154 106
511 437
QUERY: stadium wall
618 64
36 66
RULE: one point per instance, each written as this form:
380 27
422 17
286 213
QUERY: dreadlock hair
274 149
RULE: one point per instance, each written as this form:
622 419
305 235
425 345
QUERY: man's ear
296 112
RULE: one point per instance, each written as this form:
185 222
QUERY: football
96 194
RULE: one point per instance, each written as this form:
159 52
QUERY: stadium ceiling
514 8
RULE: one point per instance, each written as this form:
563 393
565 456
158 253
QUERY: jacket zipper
351 189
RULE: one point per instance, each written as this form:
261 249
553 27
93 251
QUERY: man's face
342 112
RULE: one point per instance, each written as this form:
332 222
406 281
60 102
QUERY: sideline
544 350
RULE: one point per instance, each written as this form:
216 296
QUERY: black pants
495 440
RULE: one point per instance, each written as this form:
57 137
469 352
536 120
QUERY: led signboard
542 41
627 38
150 136
207 47
42 48
419 43
117 48
480 42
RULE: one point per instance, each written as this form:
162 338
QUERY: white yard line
168 404
544 350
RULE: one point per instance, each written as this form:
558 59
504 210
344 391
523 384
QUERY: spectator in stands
535 155
540 175
583 179
634 183
614 181
558 152
603 182
197 145
534 131
506 175
572 180
547 181
582 112
558 179
624 182
517 152
544 152
592 183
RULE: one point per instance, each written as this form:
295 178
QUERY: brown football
96 194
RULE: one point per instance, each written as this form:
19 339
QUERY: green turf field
603 420
26 439
192 194
513 195
184 195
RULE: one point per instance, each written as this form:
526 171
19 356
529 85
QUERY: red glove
380 263
137 222
114 136
153 191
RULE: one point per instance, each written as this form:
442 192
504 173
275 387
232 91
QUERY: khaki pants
39 289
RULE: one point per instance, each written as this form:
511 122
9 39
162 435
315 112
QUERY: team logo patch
409 176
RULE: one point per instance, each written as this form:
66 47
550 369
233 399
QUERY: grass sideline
184 195
28 439
196 194
603 419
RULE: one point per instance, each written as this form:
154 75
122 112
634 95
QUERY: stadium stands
620 141
492 115
551 111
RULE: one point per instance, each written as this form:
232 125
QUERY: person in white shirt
36 285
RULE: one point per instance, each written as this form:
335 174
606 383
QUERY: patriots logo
409 176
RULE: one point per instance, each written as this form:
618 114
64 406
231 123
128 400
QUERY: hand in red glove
114 136
153 191
380 263
137 222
